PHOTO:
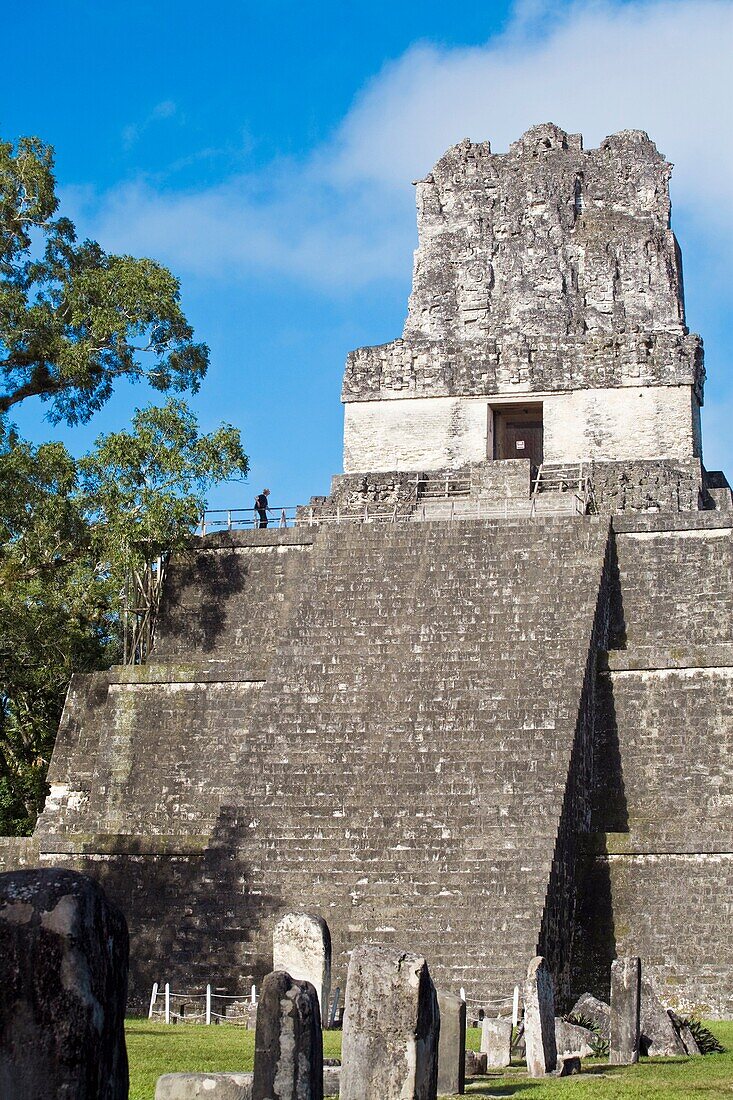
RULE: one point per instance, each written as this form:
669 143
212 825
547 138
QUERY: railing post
208 1004
153 999
283 519
229 519
167 1003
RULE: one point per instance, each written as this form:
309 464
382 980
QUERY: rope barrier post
167 1003
253 995
463 994
208 1005
515 1007
153 998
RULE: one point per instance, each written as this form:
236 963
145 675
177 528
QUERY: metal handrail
238 518
457 507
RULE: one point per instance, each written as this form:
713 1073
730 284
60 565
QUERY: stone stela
301 944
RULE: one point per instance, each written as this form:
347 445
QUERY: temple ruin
478 701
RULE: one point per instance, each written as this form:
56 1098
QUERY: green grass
154 1049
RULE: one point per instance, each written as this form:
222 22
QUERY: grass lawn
154 1048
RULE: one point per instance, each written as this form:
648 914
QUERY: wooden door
524 440
518 434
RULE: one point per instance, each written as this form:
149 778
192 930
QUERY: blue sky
266 152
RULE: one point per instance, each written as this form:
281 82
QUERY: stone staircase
387 740
408 758
557 490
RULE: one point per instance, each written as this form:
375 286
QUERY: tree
70 535
73 320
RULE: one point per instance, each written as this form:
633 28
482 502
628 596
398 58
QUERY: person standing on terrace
261 508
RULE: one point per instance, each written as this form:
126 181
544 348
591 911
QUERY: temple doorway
518 432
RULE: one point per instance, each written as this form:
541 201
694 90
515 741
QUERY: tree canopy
74 320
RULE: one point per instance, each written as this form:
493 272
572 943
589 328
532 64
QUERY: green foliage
598 1044
70 533
144 489
703 1036
74 319
154 1048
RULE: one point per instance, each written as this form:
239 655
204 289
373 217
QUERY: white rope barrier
175 1004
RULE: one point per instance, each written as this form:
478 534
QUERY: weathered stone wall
548 271
601 425
664 864
419 754
612 425
422 433
391 772
528 365
659 487
560 923
18 853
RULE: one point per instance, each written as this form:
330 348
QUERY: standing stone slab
683 1030
625 1011
658 1033
288 1041
301 945
63 988
452 1045
391 1027
539 1019
496 1042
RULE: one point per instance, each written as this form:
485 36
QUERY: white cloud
343 217
161 111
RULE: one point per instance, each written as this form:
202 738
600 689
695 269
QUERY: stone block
568 1065
301 945
573 1039
595 1012
496 1042
208 1086
331 1080
452 1045
391 1027
63 977
476 1063
625 1011
539 1019
658 1034
288 1041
